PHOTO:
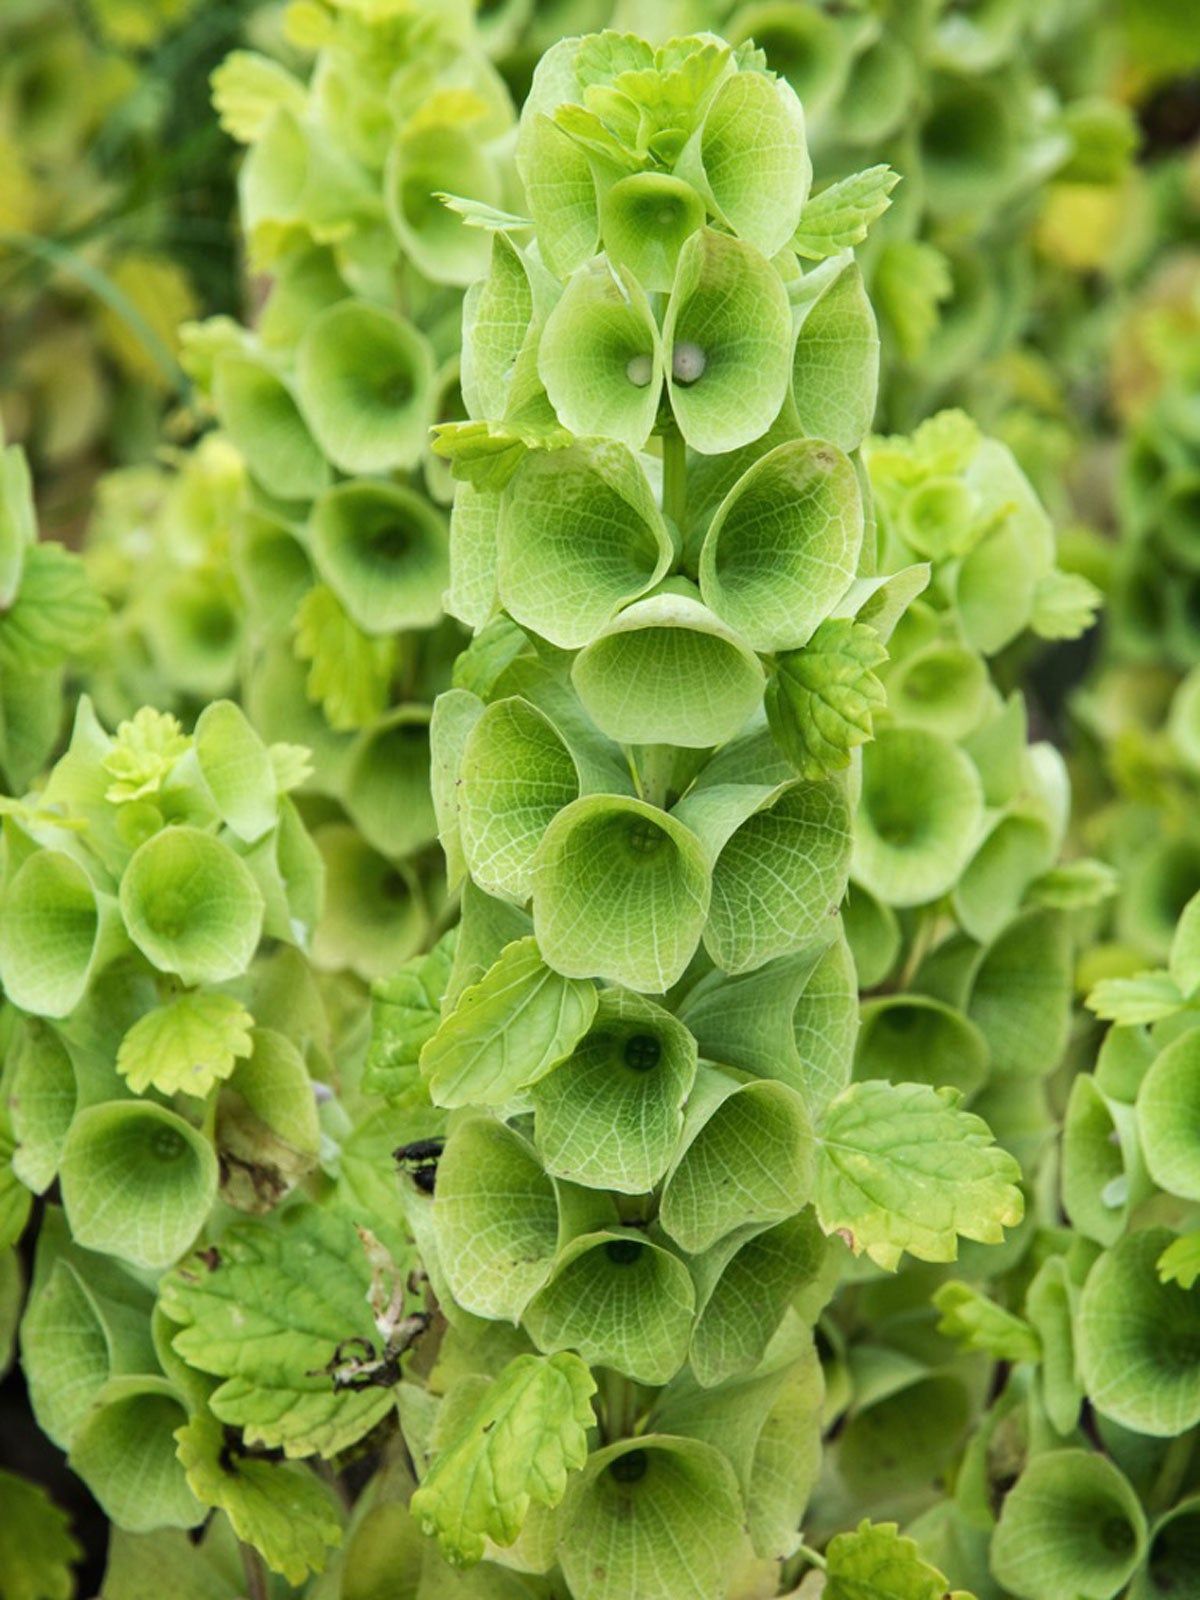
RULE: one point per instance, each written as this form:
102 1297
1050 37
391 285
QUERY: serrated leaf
838 217
279 1508
248 89
298 1282
515 1450
349 672
55 612
876 1563
1147 997
405 1013
507 1031
902 1167
823 698
977 1323
478 214
186 1046
486 454
37 1548
1064 605
1180 1261
1075 886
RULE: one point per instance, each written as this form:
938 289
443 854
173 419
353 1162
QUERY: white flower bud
688 362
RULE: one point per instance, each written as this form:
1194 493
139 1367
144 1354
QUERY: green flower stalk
646 1034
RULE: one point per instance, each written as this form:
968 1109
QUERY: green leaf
876 1563
300 1280
1184 960
186 1046
1148 997
405 1013
506 1031
350 672
37 1547
248 88
902 1167
1064 605
1180 1261
282 1510
977 1323
513 1451
839 216
822 700
143 753
54 615
1074 886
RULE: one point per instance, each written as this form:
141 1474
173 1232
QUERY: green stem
813 1557
1176 1460
106 291
674 458
256 1574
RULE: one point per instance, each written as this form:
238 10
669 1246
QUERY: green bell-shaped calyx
667 671
783 544
619 1299
364 381
611 1115
191 906
56 932
580 536
621 891
383 551
1073 1524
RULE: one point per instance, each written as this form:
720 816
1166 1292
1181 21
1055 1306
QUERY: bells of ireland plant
651 1158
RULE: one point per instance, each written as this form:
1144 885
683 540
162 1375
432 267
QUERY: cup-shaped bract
387 783
600 356
968 145
191 906
620 891
667 671
747 1158
611 1115
295 181
1138 1339
237 770
913 1038
835 362
56 931
427 161
125 1453
808 46
726 343
1171 1564
919 816
1168 1118
364 381
622 1301
495 1218
645 220
374 916
749 159
259 412
1072 1525
580 536
383 551
782 546
137 1182
616 1529
1102 1174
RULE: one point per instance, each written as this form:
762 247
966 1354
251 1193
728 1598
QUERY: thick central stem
674 457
